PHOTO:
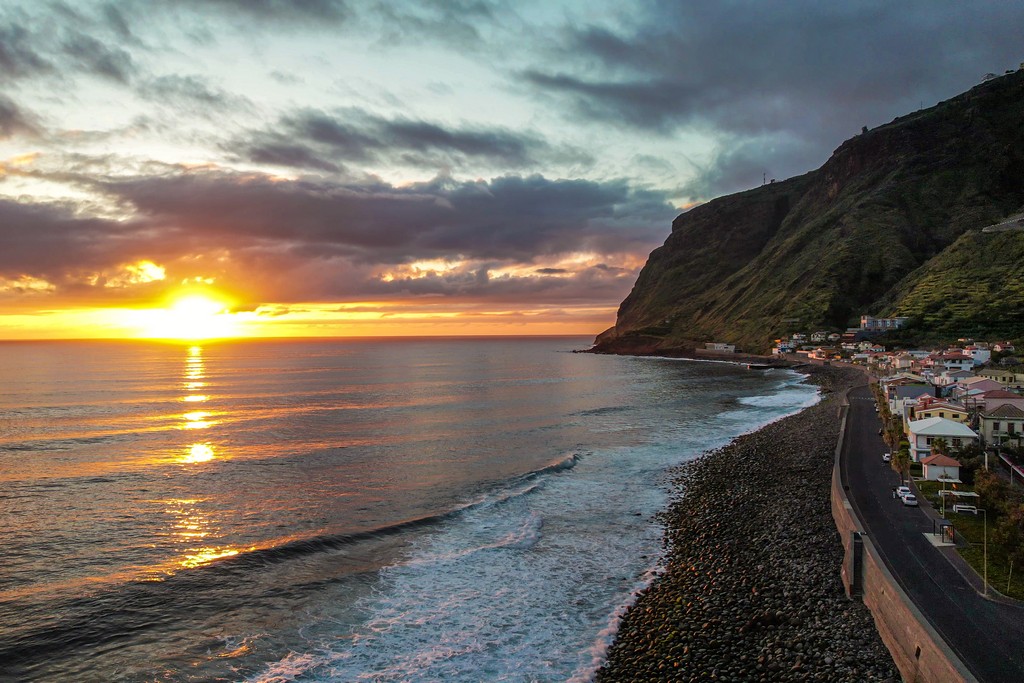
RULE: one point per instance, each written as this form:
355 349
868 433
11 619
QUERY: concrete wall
918 651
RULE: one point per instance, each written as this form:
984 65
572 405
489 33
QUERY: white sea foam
530 581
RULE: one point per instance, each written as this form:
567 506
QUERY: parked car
902 491
886 457
910 499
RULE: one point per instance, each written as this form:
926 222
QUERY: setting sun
190 316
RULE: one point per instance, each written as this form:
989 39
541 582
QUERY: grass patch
998 567
971 528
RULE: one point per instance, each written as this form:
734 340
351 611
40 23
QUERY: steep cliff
869 232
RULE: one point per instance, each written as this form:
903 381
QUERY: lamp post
985 546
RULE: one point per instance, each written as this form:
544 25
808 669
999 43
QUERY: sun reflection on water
192 530
194 376
198 452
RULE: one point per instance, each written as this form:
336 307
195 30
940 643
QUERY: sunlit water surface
416 510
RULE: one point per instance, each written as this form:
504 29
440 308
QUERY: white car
909 499
902 491
886 457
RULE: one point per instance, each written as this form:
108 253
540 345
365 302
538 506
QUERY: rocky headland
899 221
750 589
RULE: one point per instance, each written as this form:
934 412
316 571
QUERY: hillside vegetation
890 224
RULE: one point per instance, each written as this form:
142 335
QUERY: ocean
358 510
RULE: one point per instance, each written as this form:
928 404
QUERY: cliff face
874 230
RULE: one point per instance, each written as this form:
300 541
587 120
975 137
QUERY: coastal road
987 635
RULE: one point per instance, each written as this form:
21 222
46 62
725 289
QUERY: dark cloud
50 241
810 73
96 57
457 23
118 23
588 284
280 153
291 11
511 217
14 120
190 92
18 55
317 140
318 241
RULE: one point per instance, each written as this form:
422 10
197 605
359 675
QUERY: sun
189 316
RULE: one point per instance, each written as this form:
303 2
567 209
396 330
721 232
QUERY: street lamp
985 546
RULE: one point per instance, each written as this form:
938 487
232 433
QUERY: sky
335 168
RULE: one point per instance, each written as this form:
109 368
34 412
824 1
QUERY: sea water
370 510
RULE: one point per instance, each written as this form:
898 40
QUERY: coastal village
952 418
965 397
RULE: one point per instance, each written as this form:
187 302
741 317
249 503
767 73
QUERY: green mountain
891 224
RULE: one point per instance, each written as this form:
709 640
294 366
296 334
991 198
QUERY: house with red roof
940 466
990 400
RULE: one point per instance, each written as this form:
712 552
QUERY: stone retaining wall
918 651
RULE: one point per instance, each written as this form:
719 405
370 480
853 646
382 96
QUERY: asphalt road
988 636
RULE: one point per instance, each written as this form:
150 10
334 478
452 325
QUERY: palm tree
940 446
901 464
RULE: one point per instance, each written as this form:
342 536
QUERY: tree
971 458
900 463
940 446
893 433
1009 532
992 490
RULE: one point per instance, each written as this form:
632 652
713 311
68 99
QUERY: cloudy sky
438 167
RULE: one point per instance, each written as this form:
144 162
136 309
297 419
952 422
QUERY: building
901 397
955 360
720 346
979 354
1003 425
922 433
940 466
1008 378
991 400
873 324
927 407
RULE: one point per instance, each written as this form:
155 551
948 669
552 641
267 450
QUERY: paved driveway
988 636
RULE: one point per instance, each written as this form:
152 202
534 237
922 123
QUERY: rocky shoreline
750 589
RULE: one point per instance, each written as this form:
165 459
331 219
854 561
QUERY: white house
940 466
978 354
782 347
955 360
922 433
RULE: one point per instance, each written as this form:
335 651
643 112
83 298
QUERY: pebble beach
750 588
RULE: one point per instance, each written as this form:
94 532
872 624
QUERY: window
957 443
1010 426
941 414
995 426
